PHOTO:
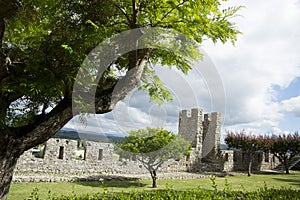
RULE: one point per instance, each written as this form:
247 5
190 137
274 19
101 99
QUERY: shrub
192 194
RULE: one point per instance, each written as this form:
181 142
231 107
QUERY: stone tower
204 135
190 129
211 136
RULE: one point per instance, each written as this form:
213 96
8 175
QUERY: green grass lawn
238 182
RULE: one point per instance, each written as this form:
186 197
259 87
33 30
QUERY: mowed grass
237 182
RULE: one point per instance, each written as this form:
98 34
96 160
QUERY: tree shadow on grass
110 181
267 172
291 181
117 184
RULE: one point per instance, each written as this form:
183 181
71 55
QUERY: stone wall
59 157
99 151
261 161
228 164
64 164
39 169
63 149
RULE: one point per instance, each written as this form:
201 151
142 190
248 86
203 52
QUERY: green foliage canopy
243 141
46 42
153 146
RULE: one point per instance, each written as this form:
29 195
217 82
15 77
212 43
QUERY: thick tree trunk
9 154
13 143
7 166
154 178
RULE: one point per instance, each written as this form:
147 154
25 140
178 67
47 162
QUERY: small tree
247 143
153 146
284 147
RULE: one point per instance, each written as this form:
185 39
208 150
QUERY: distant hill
68 133
74 135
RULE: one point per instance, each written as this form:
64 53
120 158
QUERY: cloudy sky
254 84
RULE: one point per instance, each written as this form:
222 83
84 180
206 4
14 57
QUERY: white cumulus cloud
292 105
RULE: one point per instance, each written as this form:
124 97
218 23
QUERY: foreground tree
43 43
284 147
153 146
247 143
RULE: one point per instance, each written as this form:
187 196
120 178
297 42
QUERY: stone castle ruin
204 133
67 157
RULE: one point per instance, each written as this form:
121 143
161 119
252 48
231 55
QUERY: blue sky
293 90
260 76
291 120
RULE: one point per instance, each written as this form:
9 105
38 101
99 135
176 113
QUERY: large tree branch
44 127
123 87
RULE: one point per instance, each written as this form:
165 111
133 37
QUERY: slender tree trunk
287 171
286 166
154 178
250 165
